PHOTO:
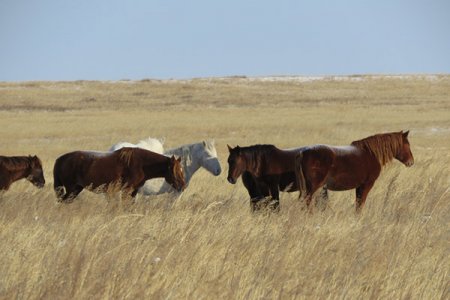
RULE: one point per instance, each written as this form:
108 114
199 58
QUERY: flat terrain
207 244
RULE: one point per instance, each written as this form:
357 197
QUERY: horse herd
265 169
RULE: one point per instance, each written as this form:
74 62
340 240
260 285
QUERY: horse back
281 161
345 167
88 167
279 168
353 158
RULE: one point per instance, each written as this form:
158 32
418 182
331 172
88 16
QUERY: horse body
13 168
128 167
356 166
348 166
265 169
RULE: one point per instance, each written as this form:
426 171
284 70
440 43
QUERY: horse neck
188 169
156 169
384 154
253 162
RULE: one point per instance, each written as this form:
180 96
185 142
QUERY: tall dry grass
207 244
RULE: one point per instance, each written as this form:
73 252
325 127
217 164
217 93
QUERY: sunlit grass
206 244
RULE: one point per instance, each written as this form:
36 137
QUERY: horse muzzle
217 172
181 188
231 180
409 163
40 184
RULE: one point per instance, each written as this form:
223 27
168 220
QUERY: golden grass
207 244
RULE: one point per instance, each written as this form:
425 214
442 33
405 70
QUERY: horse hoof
274 206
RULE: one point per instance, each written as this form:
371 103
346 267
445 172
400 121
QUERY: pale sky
137 39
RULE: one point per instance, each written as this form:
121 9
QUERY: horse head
36 175
237 164
404 154
207 157
175 176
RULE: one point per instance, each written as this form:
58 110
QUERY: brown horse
127 168
265 169
350 167
14 168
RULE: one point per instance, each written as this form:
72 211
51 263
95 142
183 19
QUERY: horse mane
256 155
384 146
209 144
185 151
15 162
125 155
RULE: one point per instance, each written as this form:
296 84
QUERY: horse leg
260 199
315 182
361 195
71 193
134 193
254 189
312 172
4 184
137 188
275 195
323 199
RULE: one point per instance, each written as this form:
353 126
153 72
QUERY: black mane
14 162
257 155
262 149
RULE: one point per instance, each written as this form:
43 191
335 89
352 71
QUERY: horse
151 144
356 166
127 168
265 169
13 168
193 157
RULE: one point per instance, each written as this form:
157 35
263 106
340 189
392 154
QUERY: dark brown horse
356 166
127 168
13 168
265 169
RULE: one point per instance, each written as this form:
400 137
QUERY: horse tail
299 175
58 186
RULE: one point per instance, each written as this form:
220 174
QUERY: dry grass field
207 244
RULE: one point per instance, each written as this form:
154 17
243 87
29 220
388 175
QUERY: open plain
207 244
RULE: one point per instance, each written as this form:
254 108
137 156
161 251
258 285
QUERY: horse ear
405 134
229 148
204 143
172 158
179 159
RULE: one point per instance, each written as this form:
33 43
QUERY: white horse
193 157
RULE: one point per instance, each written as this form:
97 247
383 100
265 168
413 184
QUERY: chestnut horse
127 167
356 166
265 169
13 168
